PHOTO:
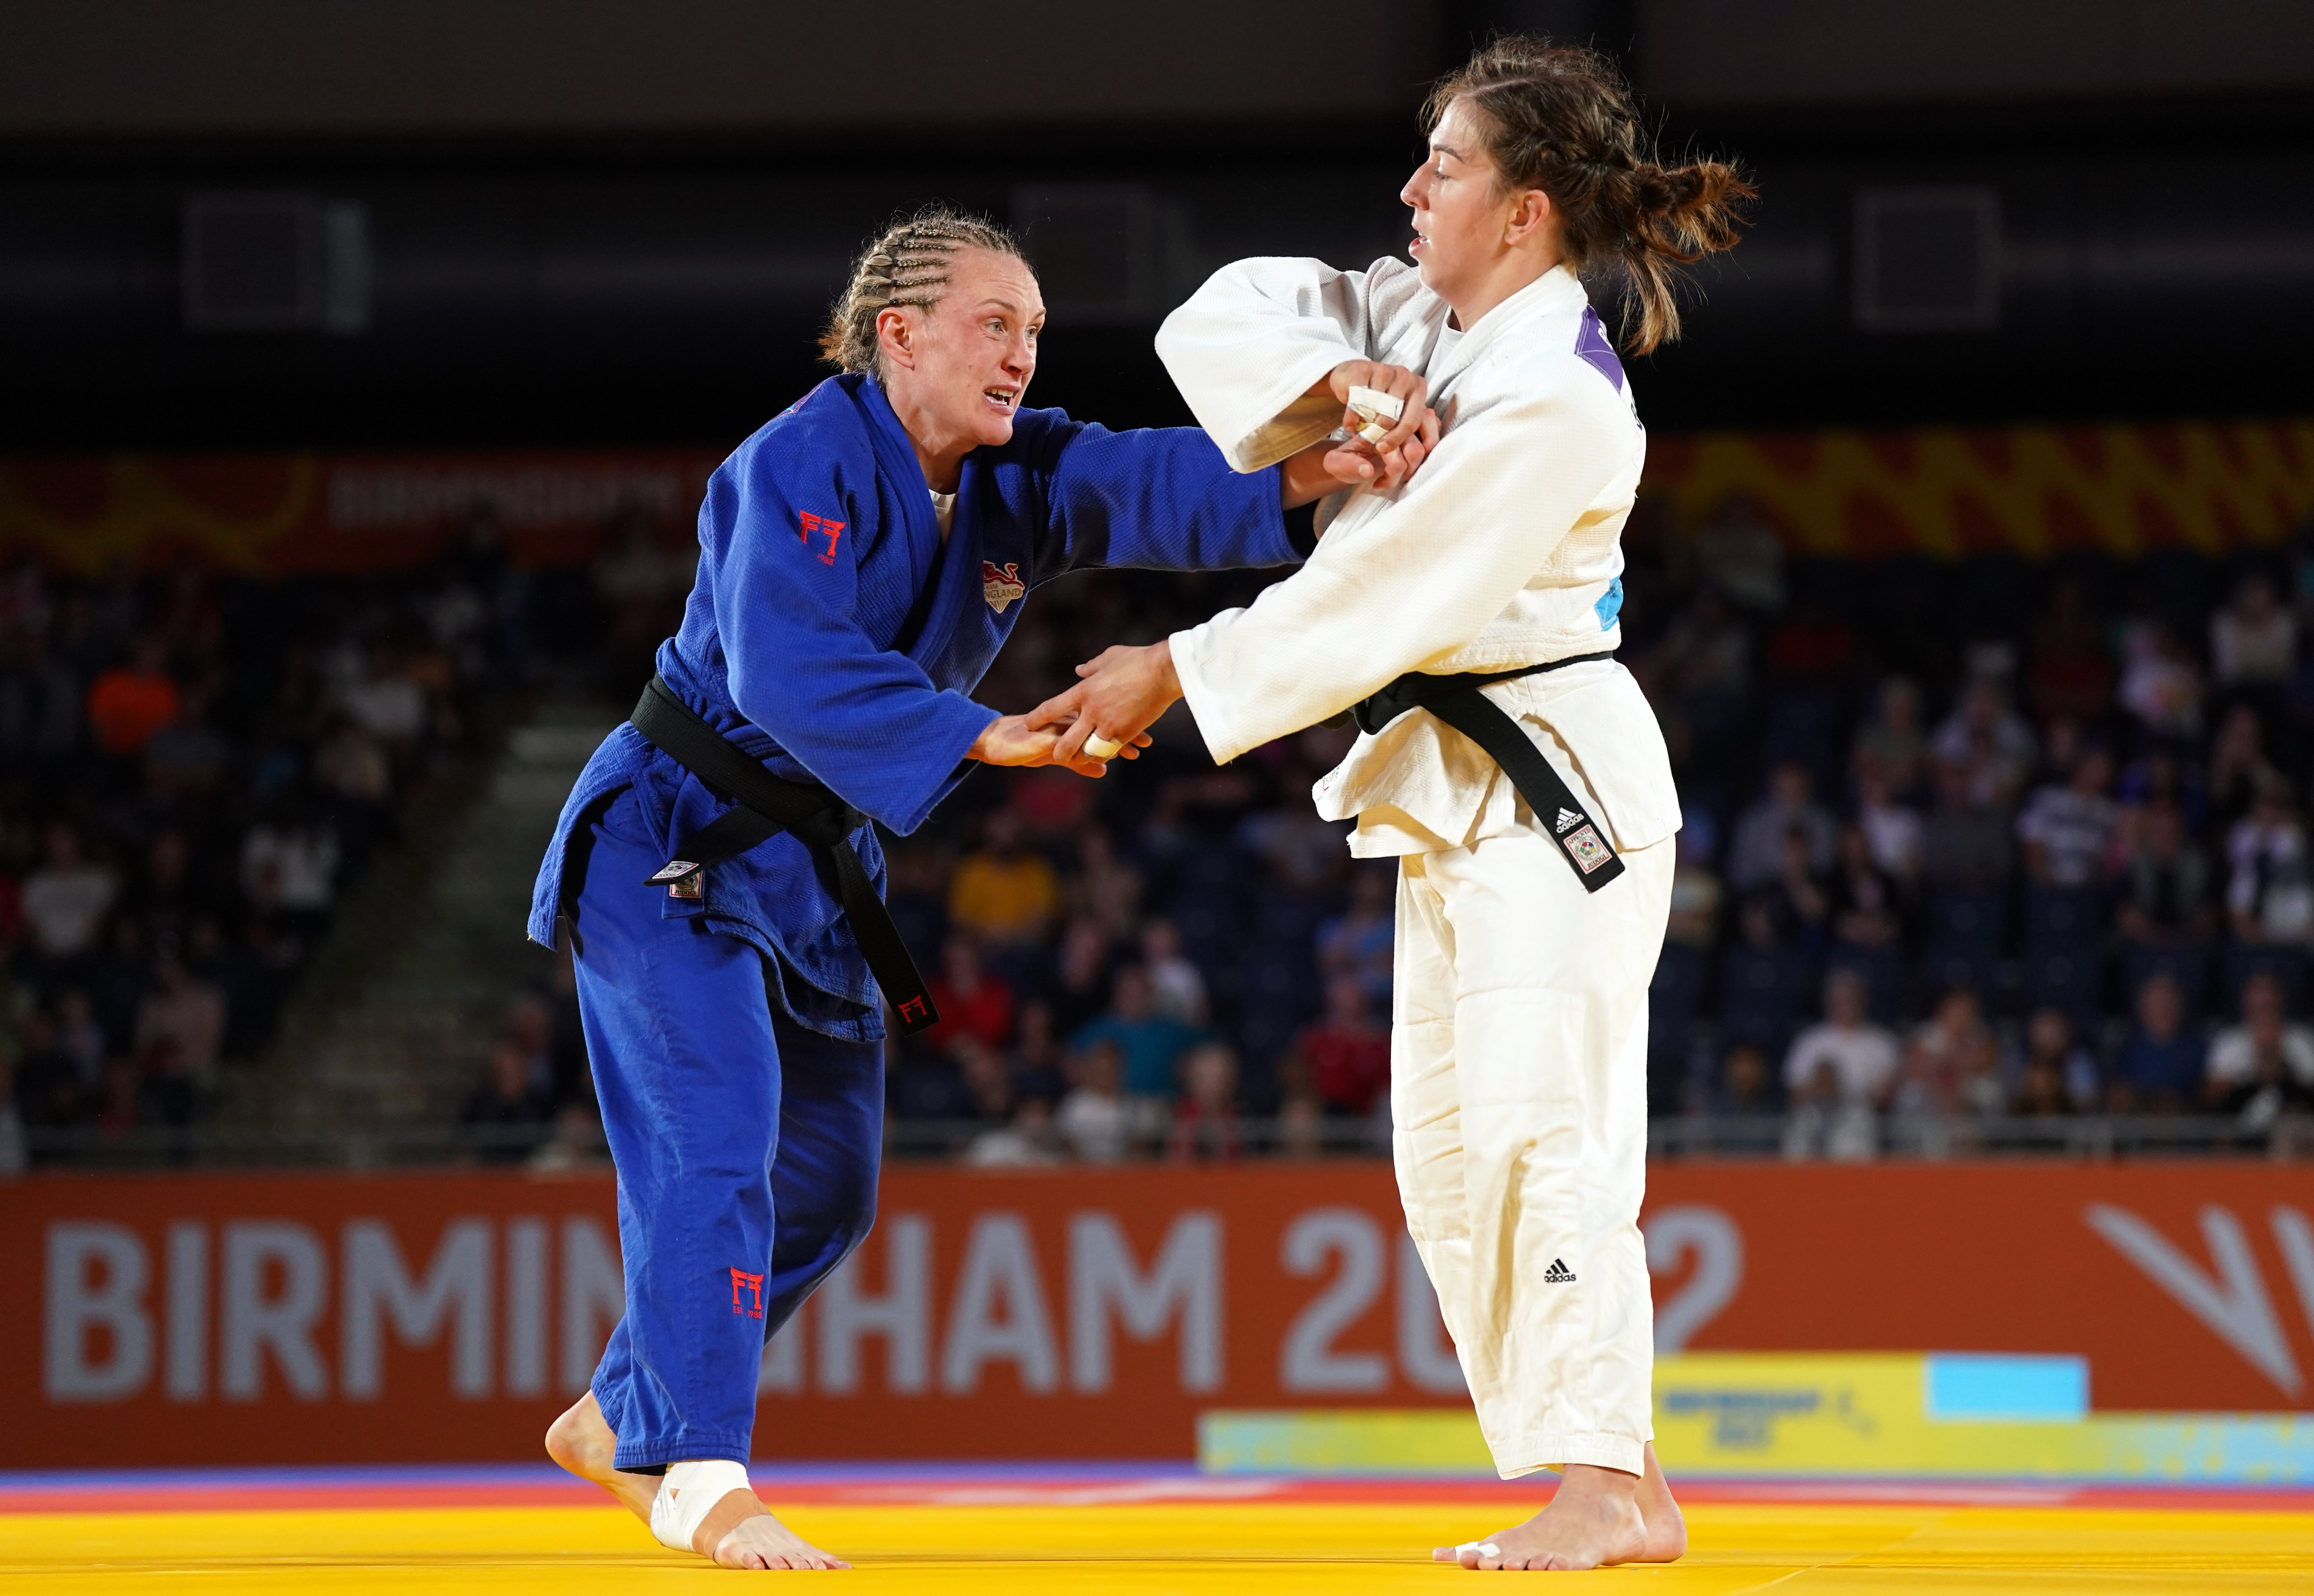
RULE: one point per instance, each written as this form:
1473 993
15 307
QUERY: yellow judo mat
1213 1547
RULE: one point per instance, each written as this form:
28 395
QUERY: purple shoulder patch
1591 344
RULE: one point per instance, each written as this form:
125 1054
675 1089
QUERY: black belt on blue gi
768 805
1457 701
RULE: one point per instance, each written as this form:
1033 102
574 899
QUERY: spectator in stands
1862 1056
1149 1045
1344 1056
1988 739
1966 843
1795 899
1892 743
2254 639
184 1014
2059 1076
1091 1119
1103 888
67 898
1745 1088
2066 830
2160 1068
2167 895
1031 1139
1826 1122
2270 894
1038 1066
1867 905
1079 990
2161 686
2070 677
1177 988
1701 670
132 701
2239 767
1003 893
973 1003
575 1143
1757 855
1205 1126
291 860
1891 830
2265 1050
987 1078
1359 942
507 1114
1952 1065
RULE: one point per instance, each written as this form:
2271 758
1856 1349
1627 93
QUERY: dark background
588 223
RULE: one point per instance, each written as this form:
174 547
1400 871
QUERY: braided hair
1560 118
908 264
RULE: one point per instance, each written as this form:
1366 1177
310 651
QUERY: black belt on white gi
767 805
1457 701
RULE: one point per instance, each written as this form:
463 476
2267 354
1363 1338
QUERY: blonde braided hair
908 264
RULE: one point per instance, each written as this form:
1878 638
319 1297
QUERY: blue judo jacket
833 635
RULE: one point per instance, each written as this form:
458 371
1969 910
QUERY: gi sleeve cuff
1205 700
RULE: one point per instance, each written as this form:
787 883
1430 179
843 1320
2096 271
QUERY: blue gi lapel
955 569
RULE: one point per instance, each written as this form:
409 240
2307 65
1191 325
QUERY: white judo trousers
1519 1098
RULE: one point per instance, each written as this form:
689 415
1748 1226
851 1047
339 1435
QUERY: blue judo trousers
735 1036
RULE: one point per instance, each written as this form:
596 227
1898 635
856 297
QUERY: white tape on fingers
1101 747
1374 405
688 1492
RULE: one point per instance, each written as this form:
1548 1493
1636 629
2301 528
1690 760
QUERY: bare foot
741 1533
581 1441
1666 1525
1592 1521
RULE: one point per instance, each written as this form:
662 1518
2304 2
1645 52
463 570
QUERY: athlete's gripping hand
1123 692
1028 740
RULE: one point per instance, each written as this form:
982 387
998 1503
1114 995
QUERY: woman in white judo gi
1535 867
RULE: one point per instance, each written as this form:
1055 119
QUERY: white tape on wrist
687 1493
1101 747
1378 411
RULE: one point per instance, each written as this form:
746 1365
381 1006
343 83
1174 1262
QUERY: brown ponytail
1560 118
907 264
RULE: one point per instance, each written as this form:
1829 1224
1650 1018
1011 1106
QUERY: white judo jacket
1503 552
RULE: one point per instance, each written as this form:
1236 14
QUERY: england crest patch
1585 847
1001 586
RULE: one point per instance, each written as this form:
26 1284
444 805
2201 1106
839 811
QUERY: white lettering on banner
781 1373
2295 1238
1000 1272
375 499
594 1299
78 1305
902 1314
525 1308
2234 1305
1307 1361
1185 1281
188 1376
457 1285
254 1321
1718 1244
1425 1354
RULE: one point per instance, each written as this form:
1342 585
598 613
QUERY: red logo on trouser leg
753 1284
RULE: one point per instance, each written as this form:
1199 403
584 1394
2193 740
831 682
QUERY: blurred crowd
193 767
1965 841
1980 839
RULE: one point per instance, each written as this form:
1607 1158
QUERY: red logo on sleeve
821 526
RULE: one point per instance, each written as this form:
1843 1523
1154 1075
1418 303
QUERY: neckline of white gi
943 511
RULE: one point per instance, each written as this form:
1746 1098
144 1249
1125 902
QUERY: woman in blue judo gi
862 556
